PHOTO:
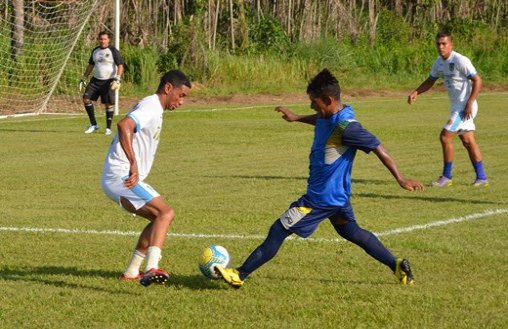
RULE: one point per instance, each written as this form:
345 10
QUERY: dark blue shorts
302 218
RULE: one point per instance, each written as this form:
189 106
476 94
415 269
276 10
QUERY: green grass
232 172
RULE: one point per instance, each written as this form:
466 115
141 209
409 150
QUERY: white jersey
105 61
457 72
148 117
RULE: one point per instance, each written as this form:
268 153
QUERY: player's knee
468 142
167 214
86 101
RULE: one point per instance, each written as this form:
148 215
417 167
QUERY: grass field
229 173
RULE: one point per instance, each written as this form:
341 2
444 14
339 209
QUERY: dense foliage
278 44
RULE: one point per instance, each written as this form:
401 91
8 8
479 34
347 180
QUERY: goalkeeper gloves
82 83
115 84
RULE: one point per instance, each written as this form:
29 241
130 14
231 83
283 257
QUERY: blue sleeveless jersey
336 140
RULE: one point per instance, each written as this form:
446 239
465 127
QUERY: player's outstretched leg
375 248
262 254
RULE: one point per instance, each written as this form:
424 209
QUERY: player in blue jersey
337 137
107 64
463 83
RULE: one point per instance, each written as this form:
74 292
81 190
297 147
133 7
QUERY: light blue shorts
456 123
138 196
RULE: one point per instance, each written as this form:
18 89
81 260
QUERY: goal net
42 55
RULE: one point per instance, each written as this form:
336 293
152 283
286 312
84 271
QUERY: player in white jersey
128 163
107 64
463 83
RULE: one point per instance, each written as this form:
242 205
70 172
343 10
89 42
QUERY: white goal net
42 55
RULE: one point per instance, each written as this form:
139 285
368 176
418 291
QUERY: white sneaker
108 131
91 129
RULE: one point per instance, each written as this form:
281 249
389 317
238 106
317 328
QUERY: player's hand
115 84
287 114
133 178
412 97
82 83
468 112
411 185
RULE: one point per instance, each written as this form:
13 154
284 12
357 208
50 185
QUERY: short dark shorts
302 219
100 88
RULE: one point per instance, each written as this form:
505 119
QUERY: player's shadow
195 282
291 280
52 275
303 178
44 275
421 198
413 196
43 131
260 177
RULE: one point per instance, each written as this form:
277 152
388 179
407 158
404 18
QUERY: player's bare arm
88 70
290 116
126 128
475 90
426 85
119 71
389 162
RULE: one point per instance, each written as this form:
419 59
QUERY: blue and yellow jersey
336 140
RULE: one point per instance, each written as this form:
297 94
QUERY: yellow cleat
230 275
403 272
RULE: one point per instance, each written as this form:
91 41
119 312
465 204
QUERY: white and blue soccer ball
212 256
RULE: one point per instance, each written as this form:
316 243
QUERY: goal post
43 55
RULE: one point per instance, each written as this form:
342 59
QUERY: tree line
235 24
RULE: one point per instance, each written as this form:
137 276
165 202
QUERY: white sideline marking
487 213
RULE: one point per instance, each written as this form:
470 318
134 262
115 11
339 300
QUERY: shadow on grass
364 195
195 282
422 198
44 275
370 282
304 178
41 131
260 177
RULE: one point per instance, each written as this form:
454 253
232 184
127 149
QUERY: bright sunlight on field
229 173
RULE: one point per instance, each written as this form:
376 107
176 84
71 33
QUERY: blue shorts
302 219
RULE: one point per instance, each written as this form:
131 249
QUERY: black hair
104 33
324 84
176 77
444 34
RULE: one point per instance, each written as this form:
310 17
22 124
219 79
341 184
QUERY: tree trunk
231 19
18 12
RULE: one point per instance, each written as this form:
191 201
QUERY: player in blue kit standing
107 64
337 137
464 84
128 163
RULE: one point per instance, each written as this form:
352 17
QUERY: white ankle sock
134 264
152 258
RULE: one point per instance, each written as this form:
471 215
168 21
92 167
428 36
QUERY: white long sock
153 256
134 264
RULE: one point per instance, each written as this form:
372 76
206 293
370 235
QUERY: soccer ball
211 256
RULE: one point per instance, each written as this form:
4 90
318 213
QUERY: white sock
152 258
132 270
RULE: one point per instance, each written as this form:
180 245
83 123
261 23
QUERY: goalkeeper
108 64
